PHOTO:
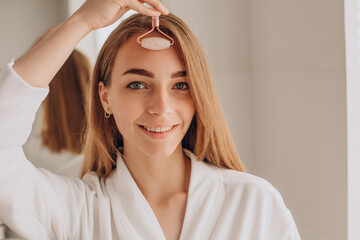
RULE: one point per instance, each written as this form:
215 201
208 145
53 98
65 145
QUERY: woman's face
149 98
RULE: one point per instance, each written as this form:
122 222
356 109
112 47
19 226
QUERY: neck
159 179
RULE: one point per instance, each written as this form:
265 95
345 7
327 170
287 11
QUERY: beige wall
299 109
22 22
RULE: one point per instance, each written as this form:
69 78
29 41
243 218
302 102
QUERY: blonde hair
64 107
208 136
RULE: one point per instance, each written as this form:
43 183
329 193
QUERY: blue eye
181 86
136 85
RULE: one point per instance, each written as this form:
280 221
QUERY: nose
160 102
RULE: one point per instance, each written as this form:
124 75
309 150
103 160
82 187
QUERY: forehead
133 55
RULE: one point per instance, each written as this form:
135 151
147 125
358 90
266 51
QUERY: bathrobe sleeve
35 203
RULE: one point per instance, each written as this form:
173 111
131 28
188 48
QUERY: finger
137 6
157 5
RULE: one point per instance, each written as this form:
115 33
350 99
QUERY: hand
102 13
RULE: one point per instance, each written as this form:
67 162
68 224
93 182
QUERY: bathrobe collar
138 220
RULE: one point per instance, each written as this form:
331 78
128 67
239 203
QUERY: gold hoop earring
106 114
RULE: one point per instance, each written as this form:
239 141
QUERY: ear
104 97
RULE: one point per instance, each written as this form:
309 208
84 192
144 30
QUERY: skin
156 96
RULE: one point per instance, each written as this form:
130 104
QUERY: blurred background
288 77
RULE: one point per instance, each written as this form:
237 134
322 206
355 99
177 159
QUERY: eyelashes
182 86
136 85
140 85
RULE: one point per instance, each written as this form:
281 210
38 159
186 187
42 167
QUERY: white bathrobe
222 204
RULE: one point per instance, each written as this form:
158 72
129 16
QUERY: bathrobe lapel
204 188
136 219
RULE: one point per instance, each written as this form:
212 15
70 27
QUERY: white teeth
158 129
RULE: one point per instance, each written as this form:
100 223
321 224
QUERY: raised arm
40 64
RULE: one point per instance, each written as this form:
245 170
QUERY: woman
159 161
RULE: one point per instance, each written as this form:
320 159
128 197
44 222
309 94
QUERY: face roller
155 43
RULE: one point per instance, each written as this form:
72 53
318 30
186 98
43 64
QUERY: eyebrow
147 73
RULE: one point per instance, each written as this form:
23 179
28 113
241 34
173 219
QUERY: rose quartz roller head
155 43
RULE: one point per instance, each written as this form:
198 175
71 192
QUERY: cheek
125 111
188 109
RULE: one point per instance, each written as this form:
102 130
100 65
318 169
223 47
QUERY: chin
159 152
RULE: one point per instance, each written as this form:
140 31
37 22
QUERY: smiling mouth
158 129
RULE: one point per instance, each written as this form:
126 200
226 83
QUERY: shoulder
235 182
247 195
247 186
246 181
101 187
244 189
